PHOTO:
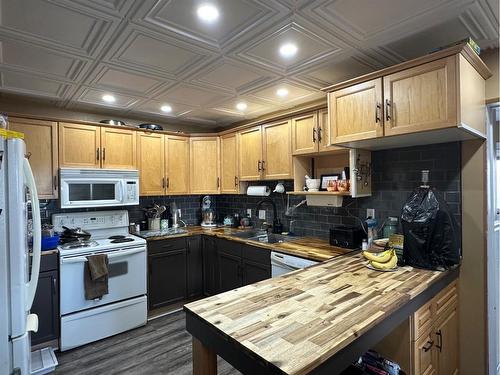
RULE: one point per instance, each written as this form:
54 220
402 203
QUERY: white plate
381 241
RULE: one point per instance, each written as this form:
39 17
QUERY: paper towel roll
259 191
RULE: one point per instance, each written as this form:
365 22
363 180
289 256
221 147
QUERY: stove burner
78 244
124 239
117 237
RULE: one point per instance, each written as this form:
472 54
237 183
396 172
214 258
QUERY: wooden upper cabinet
356 112
421 98
250 154
204 162
118 148
229 164
41 145
79 145
177 164
305 134
277 150
324 132
151 163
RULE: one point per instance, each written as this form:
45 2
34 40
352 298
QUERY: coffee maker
207 213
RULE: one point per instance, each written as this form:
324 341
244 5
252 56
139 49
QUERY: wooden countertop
296 323
306 247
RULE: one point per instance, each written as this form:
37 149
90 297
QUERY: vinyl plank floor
163 346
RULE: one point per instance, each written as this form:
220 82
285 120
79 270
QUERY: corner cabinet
204 165
265 152
229 180
41 140
436 98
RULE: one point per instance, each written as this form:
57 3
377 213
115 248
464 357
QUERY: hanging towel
95 276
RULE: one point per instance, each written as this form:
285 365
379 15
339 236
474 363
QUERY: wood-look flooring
163 346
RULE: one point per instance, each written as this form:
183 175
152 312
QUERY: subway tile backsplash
396 173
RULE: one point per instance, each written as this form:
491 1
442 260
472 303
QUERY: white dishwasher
284 263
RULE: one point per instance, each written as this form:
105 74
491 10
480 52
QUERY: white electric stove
125 306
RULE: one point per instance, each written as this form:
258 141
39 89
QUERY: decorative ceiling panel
23 83
154 107
290 93
192 95
252 107
92 96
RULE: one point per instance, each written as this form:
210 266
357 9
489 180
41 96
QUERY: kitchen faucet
277 226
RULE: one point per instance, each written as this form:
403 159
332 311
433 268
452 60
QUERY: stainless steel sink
249 233
270 238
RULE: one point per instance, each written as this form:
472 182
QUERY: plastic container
49 243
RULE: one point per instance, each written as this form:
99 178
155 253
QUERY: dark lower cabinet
194 267
254 272
167 281
210 266
230 275
46 302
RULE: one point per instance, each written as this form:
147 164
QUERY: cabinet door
204 161
210 268
230 271
277 156
229 164
46 307
41 145
79 145
167 278
305 136
118 148
177 164
324 132
254 271
421 98
250 154
355 112
194 267
425 355
150 160
447 344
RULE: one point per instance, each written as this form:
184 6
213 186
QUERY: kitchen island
316 320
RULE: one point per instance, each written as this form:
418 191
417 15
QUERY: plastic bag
431 233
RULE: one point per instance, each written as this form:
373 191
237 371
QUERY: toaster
346 236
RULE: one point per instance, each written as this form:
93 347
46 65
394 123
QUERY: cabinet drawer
161 246
422 320
257 254
424 355
446 299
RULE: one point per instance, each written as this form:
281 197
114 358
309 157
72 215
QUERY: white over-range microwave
82 188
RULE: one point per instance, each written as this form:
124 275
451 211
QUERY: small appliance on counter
207 213
346 236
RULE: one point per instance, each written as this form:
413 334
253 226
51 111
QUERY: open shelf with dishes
356 163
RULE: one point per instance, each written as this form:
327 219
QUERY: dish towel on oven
95 276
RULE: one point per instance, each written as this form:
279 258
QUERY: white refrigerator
17 285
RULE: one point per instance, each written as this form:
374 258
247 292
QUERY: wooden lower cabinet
41 146
427 342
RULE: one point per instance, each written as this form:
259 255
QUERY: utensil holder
154 224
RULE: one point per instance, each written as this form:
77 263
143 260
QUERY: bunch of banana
385 260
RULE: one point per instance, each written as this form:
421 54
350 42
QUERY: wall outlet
262 214
249 212
370 212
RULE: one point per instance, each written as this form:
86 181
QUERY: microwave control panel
131 191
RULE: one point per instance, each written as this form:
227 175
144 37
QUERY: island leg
204 359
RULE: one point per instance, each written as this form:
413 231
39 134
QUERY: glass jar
391 226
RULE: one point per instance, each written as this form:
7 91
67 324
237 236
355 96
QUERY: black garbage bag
431 233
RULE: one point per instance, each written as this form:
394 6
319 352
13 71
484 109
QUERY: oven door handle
110 256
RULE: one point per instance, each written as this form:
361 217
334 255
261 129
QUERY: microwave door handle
37 234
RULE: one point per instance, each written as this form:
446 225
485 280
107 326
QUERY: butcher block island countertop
315 320
307 247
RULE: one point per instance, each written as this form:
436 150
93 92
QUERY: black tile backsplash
395 174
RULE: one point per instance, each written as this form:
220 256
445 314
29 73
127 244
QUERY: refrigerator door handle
37 234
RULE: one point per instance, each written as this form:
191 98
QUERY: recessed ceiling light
241 106
207 12
166 108
288 50
108 98
282 92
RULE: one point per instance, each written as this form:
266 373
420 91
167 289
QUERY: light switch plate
370 212
262 214
249 212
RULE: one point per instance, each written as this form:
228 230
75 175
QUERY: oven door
127 278
90 192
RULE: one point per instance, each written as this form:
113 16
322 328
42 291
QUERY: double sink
262 236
